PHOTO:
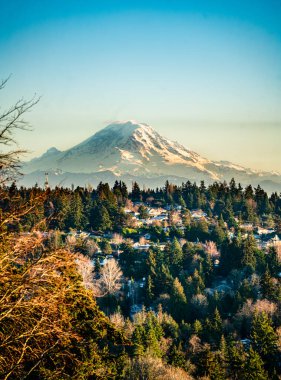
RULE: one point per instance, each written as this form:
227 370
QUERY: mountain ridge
136 149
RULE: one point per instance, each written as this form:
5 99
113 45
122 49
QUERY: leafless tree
260 306
117 239
109 281
71 242
129 205
211 249
174 218
11 120
149 367
195 343
117 320
85 268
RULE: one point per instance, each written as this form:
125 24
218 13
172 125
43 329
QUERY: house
155 211
265 231
161 217
141 247
198 214
247 226
146 221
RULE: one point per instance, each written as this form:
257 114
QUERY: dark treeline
103 208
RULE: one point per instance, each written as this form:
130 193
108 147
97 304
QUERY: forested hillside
188 278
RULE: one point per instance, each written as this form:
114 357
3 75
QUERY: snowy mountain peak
126 128
128 148
126 125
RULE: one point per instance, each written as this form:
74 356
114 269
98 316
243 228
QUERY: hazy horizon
207 75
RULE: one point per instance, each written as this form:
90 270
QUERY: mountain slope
135 150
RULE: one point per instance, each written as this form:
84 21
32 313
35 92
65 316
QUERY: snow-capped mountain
135 151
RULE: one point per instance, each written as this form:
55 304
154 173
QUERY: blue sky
204 73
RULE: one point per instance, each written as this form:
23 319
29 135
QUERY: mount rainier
132 151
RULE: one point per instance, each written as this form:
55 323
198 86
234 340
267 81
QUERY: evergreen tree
197 327
152 340
209 364
99 218
216 326
105 247
236 360
253 367
218 235
138 340
248 253
136 193
177 357
178 301
194 284
149 295
270 287
264 340
164 280
176 254
231 255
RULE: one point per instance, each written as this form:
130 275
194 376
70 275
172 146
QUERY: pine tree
138 340
178 301
236 360
209 364
197 327
151 263
195 284
253 367
218 234
248 255
177 357
214 327
164 280
152 340
106 247
264 340
270 288
231 254
176 254
149 295
223 355
99 218
136 193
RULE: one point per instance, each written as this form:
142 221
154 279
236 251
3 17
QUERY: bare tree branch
11 120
